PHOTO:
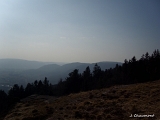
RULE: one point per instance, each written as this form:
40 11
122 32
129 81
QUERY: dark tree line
147 68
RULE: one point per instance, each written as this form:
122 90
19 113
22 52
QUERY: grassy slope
117 103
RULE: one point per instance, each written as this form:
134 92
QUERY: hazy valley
16 71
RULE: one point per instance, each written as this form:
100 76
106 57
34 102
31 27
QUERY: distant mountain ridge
19 64
17 71
23 64
54 72
27 64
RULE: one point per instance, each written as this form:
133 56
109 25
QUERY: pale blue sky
78 30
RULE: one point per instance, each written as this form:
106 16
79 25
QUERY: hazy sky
78 30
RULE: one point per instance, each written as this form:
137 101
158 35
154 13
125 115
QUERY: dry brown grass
114 103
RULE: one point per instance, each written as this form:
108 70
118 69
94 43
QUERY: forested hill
147 68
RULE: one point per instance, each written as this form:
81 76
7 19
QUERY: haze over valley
16 71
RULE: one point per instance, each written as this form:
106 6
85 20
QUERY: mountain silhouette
17 71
